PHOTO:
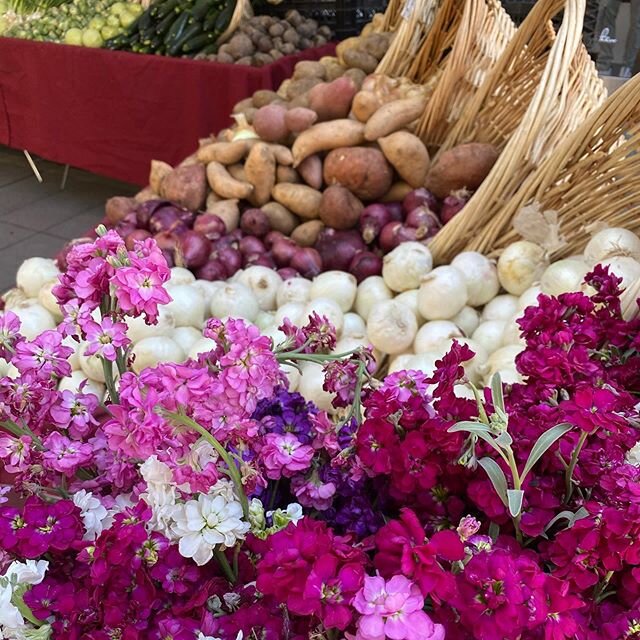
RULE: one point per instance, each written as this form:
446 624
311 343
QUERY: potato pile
263 39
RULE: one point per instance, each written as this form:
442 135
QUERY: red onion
193 250
250 245
372 219
166 240
287 273
255 222
307 262
283 250
453 204
424 221
212 270
420 197
186 216
126 228
167 219
138 234
272 237
395 210
61 258
145 210
365 264
337 248
209 225
168 256
226 241
260 260
394 234
231 259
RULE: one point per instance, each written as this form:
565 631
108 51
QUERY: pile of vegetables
261 40
76 22
410 313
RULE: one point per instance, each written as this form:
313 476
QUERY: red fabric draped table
112 112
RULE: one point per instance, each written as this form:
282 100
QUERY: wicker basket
481 31
242 11
593 176
540 90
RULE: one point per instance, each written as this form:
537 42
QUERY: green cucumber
190 32
200 9
196 43
164 25
176 29
166 8
224 18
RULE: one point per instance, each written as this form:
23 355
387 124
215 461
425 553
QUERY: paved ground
37 219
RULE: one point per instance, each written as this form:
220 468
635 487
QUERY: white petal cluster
633 455
93 513
160 495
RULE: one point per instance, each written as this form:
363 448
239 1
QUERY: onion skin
337 248
426 223
396 211
166 219
192 250
365 264
372 220
452 205
272 237
255 222
394 234
168 256
166 240
134 236
307 262
230 258
260 260
210 226
212 270
418 198
250 245
287 273
145 210
118 208
283 251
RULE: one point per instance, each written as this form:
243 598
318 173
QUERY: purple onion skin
365 264
451 206
145 210
168 256
137 234
255 222
272 237
287 273
307 261
424 221
166 219
209 225
231 259
250 245
283 251
372 219
337 248
259 260
420 197
192 250
394 234
396 211
212 270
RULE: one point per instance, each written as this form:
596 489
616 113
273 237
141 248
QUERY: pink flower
393 609
45 356
312 492
15 452
64 455
140 290
105 338
9 333
285 455
75 411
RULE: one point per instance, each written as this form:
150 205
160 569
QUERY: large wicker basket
540 90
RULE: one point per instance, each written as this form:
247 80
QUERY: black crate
345 17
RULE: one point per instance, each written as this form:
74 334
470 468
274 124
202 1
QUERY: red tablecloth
112 112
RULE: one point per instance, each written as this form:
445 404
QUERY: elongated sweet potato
228 211
298 198
326 136
287 174
280 218
260 171
311 171
408 156
394 116
397 192
225 152
225 185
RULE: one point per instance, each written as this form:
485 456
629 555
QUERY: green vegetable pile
177 28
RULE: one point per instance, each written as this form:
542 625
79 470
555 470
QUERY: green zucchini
177 28
195 44
191 31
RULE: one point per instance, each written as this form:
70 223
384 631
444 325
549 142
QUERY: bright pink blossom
285 455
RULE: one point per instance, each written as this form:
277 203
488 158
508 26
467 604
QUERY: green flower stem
234 474
318 358
107 368
517 485
19 431
572 465
218 554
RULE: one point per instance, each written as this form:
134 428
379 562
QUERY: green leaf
496 392
569 516
504 440
494 531
497 477
471 427
543 443
514 498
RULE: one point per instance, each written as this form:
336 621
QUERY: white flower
10 618
205 523
160 495
122 502
155 472
93 513
633 455
225 489
281 518
29 572
201 636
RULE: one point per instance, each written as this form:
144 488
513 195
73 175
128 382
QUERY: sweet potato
298 198
146 194
464 166
332 100
237 171
307 233
269 123
300 119
225 185
365 104
325 136
339 208
186 186
282 154
260 171
287 174
311 171
397 192
408 156
212 198
394 116
364 171
159 171
224 152
118 207
280 218
228 211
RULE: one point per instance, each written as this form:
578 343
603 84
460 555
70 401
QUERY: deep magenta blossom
45 356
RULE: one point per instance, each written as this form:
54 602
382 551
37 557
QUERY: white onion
433 333
410 299
371 291
49 301
72 383
13 298
235 300
264 283
500 308
508 375
295 311
310 386
264 319
207 288
187 306
563 276
152 351
330 309
293 376
353 325
512 331
204 345
463 390
180 275
468 320
611 242
490 334
91 366
529 298
138 329
34 319
400 362
425 362
293 290
624 267
404 267
502 359
186 337
33 273
277 336
480 276
520 265
73 359
335 285
391 327
442 294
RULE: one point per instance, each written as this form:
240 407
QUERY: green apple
127 19
92 38
118 8
113 21
74 37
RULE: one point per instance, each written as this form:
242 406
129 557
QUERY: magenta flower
140 290
105 338
75 411
9 333
313 492
64 455
285 455
45 356
394 610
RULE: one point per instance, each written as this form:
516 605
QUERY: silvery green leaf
504 439
543 443
514 497
496 392
494 531
496 476
471 427
569 516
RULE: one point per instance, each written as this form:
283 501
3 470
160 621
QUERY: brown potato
269 123
159 171
307 233
263 97
280 218
186 186
287 174
397 192
332 100
339 208
360 60
300 119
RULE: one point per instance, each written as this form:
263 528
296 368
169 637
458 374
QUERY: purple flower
9 333
139 290
105 338
45 356
285 455
75 411
64 455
